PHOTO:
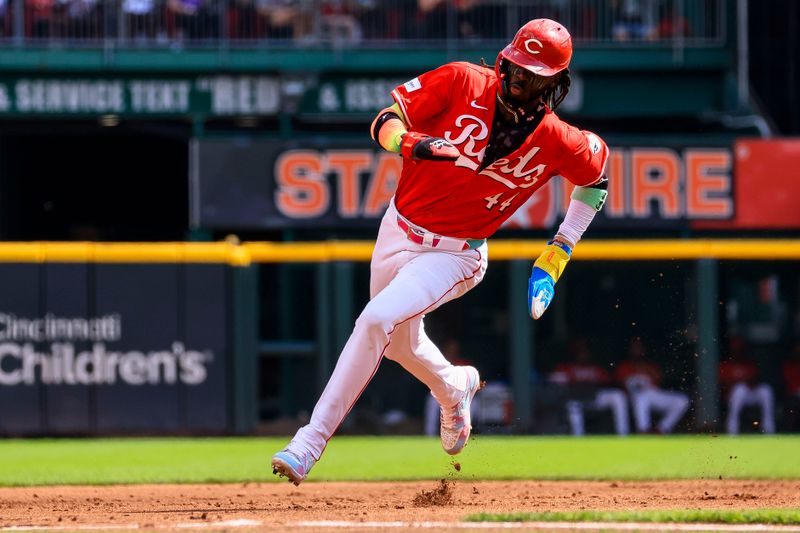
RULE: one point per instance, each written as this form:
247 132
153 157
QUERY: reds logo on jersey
511 172
473 130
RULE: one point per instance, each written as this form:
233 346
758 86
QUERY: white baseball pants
743 395
671 403
606 399
407 280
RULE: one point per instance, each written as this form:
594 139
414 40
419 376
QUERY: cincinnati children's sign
55 350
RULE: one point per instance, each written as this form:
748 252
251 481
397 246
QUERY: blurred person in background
432 19
738 380
671 23
642 378
791 378
195 19
209 19
634 20
183 17
479 19
139 18
39 17
589 387
83 18
477 141
4 18
339 23
287 19
244 21
378 20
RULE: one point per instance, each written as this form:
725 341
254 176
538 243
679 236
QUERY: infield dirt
283 506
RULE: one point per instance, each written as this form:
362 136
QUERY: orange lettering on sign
347 164
383 183
655 176
708 184
302 189
615 204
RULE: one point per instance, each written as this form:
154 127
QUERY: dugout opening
78 180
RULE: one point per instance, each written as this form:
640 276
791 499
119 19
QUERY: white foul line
343 524
76 527
630 526
241 522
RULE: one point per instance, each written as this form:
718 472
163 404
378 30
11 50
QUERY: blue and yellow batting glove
544 275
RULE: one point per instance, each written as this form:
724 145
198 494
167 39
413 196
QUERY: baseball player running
477 141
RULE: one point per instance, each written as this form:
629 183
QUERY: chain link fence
352 23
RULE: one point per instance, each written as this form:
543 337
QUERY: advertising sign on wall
114 348
273 184
767 185
216 95
315 96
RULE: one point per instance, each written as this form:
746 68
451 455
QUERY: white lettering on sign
21 364
242 95
69 96
52 327
159 96
368 94
5 100
329 99
63 364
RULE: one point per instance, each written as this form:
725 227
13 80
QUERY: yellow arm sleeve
388 132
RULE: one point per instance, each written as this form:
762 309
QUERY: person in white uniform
642 379
738 378
589 387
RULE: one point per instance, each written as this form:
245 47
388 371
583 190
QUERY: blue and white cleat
292 464
456 422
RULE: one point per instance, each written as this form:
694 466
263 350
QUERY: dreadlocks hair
553 96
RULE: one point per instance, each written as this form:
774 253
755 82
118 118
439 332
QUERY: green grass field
706 516
197 460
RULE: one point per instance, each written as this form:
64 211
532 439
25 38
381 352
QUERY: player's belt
424 237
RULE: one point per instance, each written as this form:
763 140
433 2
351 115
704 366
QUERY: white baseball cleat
292 464
456 422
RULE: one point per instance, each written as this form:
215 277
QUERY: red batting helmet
542 46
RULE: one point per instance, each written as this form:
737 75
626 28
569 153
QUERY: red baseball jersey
638 370
731 372
791 375
582 373
459 199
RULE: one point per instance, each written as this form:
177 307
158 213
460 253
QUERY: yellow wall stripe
116 252
312 252
620 250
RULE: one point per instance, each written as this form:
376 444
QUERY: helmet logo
528 45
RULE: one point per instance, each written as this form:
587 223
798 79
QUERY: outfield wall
125 348
138 338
